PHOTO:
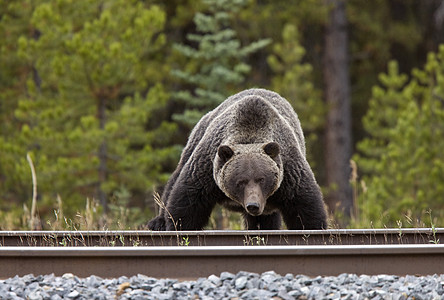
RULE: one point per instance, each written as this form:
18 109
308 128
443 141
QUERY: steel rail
223 237
186 262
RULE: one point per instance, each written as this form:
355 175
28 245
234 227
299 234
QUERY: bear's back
247 117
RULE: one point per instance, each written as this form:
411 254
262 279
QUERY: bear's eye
242 183
260 180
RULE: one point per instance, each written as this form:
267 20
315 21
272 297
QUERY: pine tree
403 156
293 79
14 73
380 122
86 122
216 66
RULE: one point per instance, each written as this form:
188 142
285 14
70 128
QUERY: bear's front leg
307 212
305 209
188 208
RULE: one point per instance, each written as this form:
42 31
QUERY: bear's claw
157 224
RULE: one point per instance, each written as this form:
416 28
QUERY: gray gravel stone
215 280
242 285
35 296
226 276
241 282
73 295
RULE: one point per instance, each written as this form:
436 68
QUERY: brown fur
248 154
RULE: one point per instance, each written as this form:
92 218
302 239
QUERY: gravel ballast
243 285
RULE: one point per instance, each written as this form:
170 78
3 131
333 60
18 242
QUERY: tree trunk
338 141
102 154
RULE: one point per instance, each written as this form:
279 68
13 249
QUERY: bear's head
249 173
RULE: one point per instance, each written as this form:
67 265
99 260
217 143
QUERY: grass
90 217
254 241
120 216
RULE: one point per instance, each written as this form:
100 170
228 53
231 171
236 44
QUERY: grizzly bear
248 154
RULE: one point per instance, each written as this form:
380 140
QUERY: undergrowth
121 216
92 217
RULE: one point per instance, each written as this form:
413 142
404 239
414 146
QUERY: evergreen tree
216 66
293 79
85 122
14 73
382 116
403 156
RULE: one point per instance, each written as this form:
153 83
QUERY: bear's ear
272 149
225 153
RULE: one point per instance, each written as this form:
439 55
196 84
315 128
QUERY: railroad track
186 255
223 237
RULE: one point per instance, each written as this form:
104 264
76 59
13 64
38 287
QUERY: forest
97 99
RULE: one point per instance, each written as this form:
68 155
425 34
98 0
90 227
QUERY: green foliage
381 31
217 64
86 88
91 92
403 156
382 116
293 79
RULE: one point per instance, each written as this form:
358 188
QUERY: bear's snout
253 209
254 199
